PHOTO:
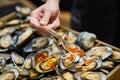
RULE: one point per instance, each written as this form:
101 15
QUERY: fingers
55 24
45 19
34 22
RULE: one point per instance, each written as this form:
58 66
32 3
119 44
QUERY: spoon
70 47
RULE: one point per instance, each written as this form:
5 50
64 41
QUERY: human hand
46 17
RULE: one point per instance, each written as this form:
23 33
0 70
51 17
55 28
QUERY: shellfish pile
26 55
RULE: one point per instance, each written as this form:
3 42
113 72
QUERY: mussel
3 58
68 76
89 63
11 74
24 36
6 41
102 52
107 64
115 57
67 60
41 55
90 76
17 59
86 40
7 30
23 10
14 22
29 62
38 43
47 64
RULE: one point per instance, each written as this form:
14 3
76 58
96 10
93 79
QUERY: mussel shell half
5 55
24 36
47 64
38 43
3 58
68 76
107 64
6 41
15 71
115 57
11 74
14 22
7 30
88 60
41 55
102 52
23 10
86 40
90 75
17 59
29 62
67 60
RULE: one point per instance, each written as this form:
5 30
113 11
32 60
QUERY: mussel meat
102 52
47 64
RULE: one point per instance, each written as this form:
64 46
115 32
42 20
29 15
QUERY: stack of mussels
25 55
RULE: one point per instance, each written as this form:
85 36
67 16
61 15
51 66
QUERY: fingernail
42 23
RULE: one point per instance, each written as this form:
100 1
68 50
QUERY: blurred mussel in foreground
86 40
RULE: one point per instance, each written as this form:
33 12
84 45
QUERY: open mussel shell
24 36
5 55
17 59
67 60
6 41
23 10
7 30
14 22
41 55
86 40
73 48
55 49
102 52
88 64
47 64
108 64
93 62
115 57
38 43
90 76
11 74
68 76
29 62
3 58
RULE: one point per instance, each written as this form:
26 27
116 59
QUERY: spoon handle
53 32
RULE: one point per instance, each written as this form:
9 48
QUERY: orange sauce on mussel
40 56
88 62
74 49
49 64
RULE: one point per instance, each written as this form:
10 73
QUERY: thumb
45 19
